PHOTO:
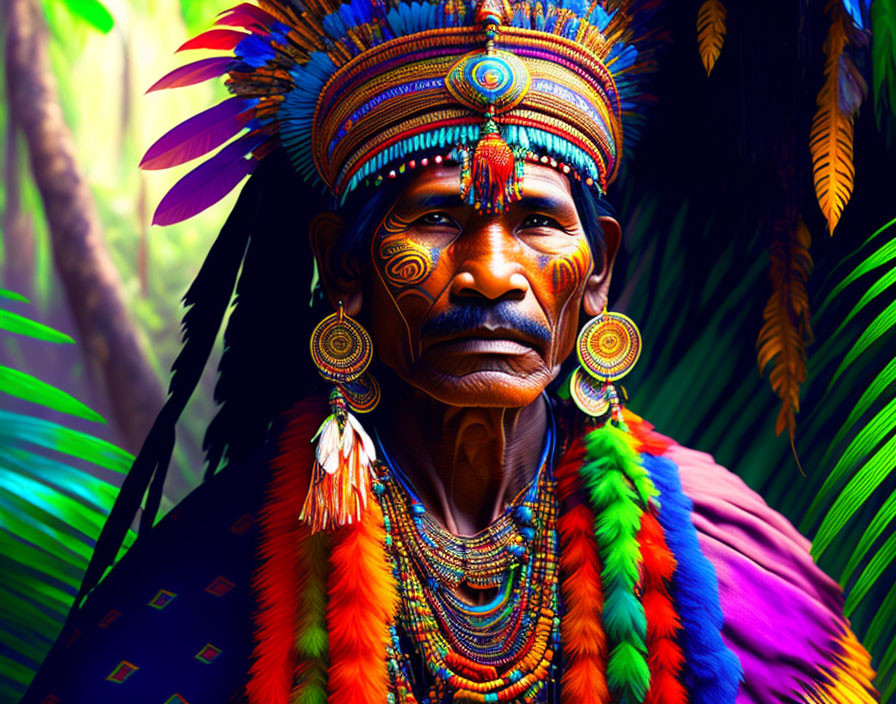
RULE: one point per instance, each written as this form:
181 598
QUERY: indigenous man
498 529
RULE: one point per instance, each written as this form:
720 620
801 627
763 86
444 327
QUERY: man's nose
490 264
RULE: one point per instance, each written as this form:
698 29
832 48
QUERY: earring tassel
340 476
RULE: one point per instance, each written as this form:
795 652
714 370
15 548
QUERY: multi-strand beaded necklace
443 648
373 612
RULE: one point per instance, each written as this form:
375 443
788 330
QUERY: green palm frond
883 57
57 485
697 382
857 366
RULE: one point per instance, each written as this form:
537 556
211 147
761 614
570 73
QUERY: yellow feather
831 137
786 328
847 680
711 32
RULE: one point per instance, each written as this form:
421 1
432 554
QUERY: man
477 537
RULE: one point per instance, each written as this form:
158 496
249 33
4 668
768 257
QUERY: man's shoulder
782 615
173 617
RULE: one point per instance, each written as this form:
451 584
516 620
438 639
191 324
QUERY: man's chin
494 388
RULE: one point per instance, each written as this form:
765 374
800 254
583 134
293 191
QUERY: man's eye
537 220
436 219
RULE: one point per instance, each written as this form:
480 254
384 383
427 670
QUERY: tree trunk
92 284
18 236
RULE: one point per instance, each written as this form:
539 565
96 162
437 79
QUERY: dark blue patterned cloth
172 622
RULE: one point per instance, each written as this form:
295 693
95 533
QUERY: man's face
477 310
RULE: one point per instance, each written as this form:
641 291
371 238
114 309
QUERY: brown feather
831 137
711 32
787 327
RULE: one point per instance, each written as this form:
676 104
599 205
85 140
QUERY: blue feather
624 56
334 25
254 51
571 28
711 672
600 18
579 7
854 10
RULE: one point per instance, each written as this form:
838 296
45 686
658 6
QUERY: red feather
362 603
567 471
217 39
664 656
279 579
648 440
581 627
247 16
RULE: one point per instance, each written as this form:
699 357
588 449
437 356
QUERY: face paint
478 309
404 262
567 273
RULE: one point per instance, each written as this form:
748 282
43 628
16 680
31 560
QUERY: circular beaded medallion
608 346
588 394
341 348
480 79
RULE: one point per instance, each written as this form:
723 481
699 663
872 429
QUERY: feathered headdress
361 91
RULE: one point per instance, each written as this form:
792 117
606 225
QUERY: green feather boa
618 489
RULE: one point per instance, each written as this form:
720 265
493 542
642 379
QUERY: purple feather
247 16
198 135
209 182
196 72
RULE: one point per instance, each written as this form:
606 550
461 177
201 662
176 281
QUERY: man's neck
466 464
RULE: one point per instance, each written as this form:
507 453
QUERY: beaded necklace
444 649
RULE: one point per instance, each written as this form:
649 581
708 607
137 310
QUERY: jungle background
733 264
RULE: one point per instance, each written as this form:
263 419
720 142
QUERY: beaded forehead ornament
362 91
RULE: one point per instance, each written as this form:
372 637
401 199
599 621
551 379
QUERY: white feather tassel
340 478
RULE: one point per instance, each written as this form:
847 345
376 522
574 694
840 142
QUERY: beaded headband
359 91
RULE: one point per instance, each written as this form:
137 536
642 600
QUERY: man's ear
338 272
598 287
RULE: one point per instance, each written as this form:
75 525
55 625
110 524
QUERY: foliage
697 384
860 487
883 57
112 129
57 486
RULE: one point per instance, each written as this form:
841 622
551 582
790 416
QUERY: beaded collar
443 648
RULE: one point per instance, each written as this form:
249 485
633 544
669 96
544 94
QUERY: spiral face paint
475 308
403 262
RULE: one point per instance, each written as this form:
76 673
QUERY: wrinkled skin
474 314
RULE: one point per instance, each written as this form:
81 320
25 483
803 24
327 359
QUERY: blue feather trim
711 672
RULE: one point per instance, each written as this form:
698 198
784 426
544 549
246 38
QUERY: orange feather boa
584 642
362 602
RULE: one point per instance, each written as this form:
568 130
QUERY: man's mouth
483 341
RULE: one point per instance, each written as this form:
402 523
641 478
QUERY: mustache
472 317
